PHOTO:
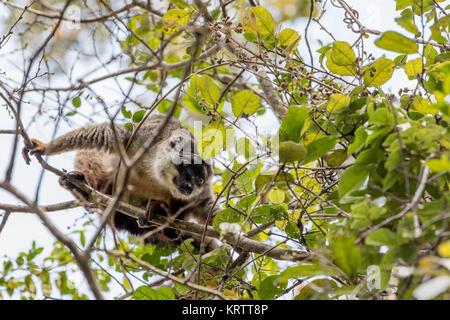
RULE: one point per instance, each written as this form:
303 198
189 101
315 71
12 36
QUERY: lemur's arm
99 136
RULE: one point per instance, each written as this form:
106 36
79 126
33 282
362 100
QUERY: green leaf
290 151
263 21
337 158
138 115
165 293
228 215
76 102
394 41
352 178
378 72
270 287
381 237
337 101
262 214
318 148
380 117
304 270
342 54
128 126
145 293
360 139
127 114
245 183
407 21
292 230
293 123
245 102
346 254
402 4
407 251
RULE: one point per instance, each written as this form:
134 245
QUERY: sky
22 229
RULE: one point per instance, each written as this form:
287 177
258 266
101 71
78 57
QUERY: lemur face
192 175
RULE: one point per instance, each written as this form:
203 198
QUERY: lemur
169 175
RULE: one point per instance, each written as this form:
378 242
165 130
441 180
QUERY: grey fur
152 176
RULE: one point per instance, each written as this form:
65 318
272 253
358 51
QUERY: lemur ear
175 143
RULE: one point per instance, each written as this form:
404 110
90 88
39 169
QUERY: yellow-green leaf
342 54
439 165
286 37
276 196
212 140
245 148
195 84
378 72
289 38
381 237
347 70
245 102
290 151
396 42
174 19
413 67
337 101
263 21
424 106
204 87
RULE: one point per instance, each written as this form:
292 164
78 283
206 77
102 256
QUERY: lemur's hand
77 192
154 207
37 147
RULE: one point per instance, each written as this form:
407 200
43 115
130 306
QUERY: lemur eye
201 181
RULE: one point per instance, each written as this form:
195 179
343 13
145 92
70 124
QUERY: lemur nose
186 188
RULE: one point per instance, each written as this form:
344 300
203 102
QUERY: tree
347 198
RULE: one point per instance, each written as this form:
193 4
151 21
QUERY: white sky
22 229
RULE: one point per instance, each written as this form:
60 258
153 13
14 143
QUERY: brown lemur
170 175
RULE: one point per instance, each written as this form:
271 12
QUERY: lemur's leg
101 136
37 147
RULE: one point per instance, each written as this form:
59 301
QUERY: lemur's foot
66 184
154 207
36 147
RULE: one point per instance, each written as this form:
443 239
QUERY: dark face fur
191 176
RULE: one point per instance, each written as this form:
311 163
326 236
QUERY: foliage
356 175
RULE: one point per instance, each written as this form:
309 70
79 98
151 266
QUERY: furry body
165 173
